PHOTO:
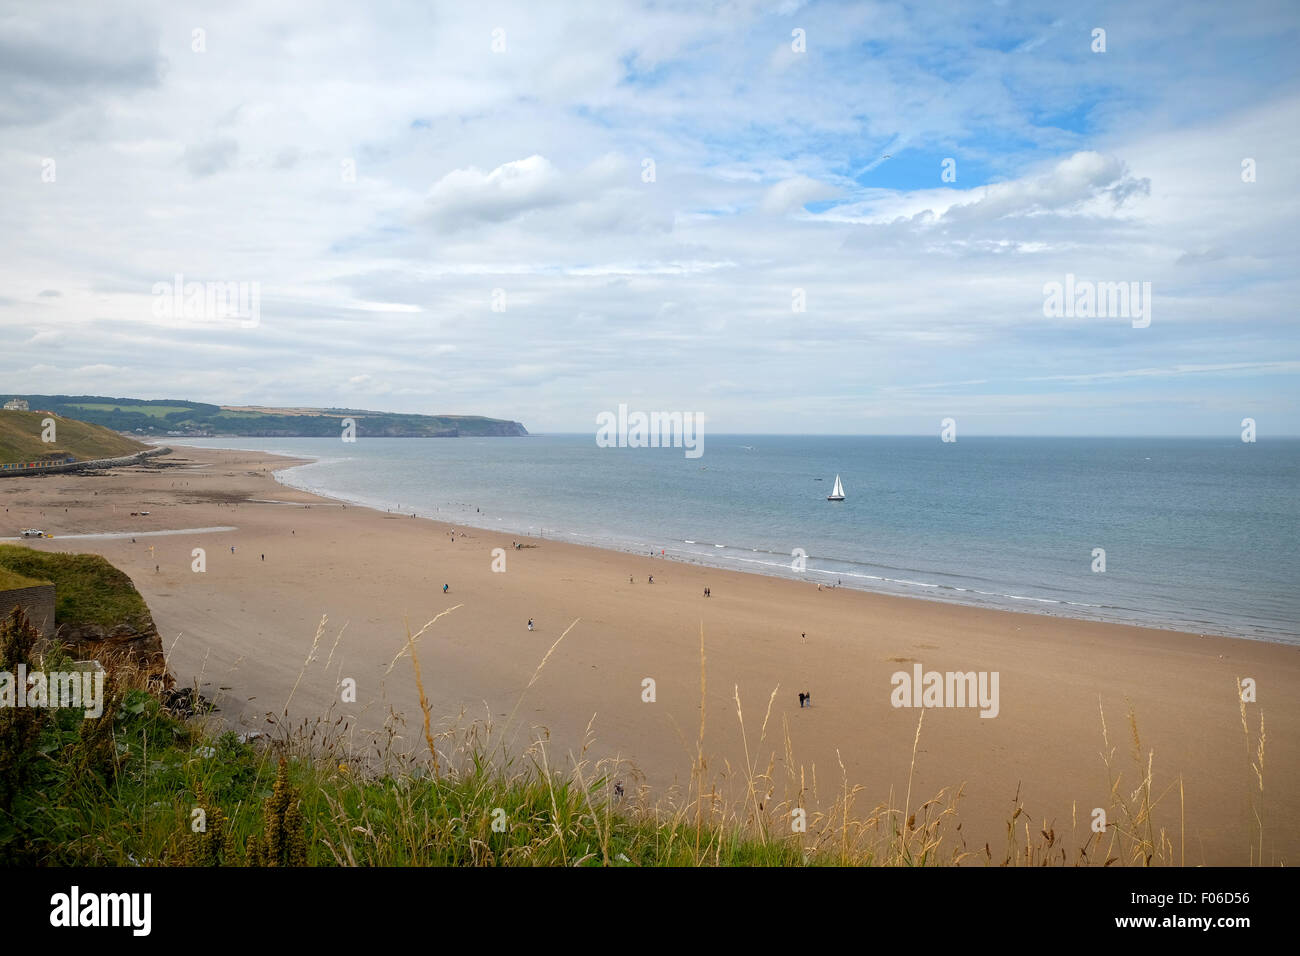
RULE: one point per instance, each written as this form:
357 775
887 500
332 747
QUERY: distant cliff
174 417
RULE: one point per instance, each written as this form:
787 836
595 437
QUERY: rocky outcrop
96 611
137 644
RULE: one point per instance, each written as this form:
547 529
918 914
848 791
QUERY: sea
1196 535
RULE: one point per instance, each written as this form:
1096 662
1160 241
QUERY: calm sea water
1199 534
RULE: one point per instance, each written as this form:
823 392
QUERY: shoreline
942 593
249 633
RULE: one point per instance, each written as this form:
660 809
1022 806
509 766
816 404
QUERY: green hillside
20 439
163 417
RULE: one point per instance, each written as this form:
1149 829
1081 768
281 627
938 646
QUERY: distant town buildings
16 405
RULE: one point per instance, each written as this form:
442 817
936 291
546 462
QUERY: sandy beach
245 626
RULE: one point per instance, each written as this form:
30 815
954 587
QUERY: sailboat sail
838 493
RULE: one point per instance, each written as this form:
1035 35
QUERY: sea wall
92 465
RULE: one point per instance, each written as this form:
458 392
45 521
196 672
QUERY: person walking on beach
444 589
652 579
530 624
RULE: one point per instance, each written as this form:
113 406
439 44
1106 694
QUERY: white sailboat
837 494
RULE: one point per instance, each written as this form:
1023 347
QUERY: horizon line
557 434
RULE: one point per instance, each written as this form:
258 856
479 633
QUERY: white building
16 405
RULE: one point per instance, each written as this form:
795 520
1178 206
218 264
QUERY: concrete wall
37 603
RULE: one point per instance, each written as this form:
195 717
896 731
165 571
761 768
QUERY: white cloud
795 193
467 196
1086 182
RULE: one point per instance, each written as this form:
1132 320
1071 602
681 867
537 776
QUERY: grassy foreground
139 787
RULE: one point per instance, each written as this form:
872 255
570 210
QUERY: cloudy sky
537 211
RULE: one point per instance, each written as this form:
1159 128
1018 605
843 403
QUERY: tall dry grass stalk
424 704
311 656
409 647
697 771
1256 841
538 673
759 828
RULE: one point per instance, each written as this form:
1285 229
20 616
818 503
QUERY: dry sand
245 626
